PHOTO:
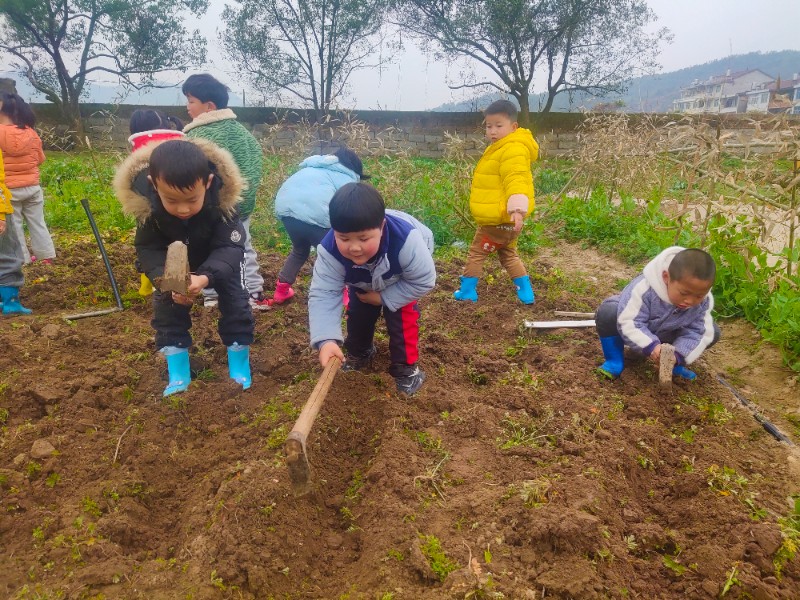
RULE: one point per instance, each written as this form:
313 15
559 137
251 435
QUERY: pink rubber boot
283 291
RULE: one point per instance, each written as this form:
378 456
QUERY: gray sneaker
410 384
359 363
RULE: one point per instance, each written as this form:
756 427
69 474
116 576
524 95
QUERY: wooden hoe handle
314 403
295 446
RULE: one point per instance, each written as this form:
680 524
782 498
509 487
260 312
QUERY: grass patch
437 559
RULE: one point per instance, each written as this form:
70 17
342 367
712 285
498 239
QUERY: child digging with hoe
187 191
385 257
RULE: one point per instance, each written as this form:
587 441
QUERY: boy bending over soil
385 257
669 303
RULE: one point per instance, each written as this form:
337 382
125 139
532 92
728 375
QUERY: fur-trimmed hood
211 116
139 206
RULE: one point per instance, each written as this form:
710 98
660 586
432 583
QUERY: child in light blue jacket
302 206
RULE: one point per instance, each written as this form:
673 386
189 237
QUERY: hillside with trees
654 93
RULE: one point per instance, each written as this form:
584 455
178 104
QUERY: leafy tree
60 45
587 45
306 48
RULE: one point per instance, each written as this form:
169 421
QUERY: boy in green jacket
207 105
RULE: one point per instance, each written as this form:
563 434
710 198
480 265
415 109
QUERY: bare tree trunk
524 110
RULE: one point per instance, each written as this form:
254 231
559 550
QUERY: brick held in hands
176 269
666 364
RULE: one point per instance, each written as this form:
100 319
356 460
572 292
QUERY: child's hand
198 284
517 207
327 351
181 299
655 355
2 227
372 297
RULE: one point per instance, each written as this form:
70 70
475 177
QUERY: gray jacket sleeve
325 299
419 274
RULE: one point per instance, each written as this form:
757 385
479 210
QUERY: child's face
195 107
180 203
359 246
686 292
499 126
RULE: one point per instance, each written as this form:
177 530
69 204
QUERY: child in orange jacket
22 149
10 257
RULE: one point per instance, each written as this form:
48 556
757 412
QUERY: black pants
303 236
606 321
402 325
236 324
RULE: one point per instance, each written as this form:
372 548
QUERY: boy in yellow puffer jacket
11 278
500 198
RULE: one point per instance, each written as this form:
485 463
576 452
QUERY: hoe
295 445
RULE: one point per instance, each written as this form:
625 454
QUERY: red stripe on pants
409 316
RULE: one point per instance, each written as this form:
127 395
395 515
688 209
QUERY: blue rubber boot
239 364
524 289
11 305
178 365
468 289
614 353
682 371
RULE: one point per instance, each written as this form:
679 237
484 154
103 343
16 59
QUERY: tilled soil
514 473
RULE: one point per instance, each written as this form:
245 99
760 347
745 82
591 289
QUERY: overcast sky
703 30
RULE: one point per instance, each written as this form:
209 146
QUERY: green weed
520 377
90 507
712 411
535 492
355 486
523 431
726 481
790 532
437 559
32 469
276 437
395 555
730 581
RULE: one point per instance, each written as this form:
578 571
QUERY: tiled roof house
724 93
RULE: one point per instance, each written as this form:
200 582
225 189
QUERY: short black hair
16 109
179 164
348 158
206 88
693 262
502 107
356 207
147 119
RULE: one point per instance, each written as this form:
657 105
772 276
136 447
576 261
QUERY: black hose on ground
771 429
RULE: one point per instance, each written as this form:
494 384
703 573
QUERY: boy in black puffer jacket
187 191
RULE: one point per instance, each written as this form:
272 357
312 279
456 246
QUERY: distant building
796 109
729 93
785 96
